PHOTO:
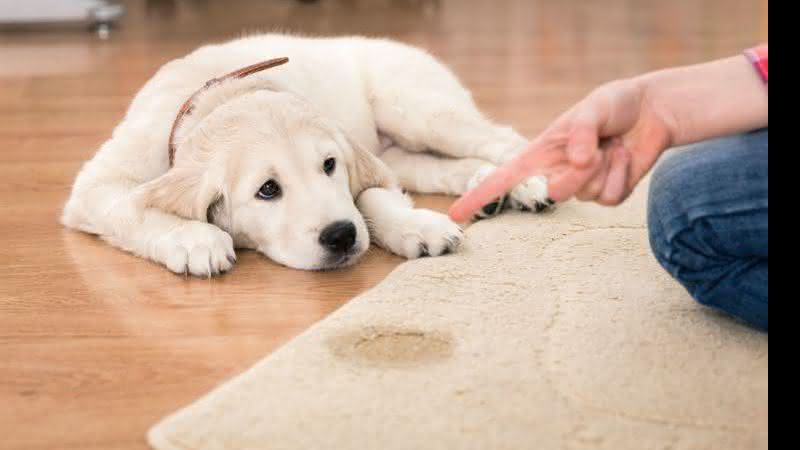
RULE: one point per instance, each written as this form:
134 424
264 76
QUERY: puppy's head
268 169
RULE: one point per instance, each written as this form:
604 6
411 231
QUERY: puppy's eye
329 165
269 190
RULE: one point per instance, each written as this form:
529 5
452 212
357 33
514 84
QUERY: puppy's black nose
339 236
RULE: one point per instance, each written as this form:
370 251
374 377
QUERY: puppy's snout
339 236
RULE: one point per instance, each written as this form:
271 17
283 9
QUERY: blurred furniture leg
100 14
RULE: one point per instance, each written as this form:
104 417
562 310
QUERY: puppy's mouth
341 260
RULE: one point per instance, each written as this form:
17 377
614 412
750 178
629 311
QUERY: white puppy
303 162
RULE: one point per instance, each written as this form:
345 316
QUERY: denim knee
707 224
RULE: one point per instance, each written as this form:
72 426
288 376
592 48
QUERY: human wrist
707 100
653 89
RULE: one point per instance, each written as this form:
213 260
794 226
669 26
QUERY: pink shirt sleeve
759 57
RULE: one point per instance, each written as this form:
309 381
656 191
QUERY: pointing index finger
533 159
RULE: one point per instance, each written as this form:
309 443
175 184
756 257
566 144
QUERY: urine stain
392 346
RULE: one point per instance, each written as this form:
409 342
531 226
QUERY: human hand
602 147
597 151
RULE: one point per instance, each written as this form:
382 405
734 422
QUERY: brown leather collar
189 104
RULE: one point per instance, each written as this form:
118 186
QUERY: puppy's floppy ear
185 192
365 169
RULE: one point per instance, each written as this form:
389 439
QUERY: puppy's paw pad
197 248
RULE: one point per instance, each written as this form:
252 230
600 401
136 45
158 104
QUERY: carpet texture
557 331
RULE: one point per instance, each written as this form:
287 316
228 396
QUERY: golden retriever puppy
303 160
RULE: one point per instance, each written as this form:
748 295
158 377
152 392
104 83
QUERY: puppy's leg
102 204
422 106
432 174
449 127
426 173
398 227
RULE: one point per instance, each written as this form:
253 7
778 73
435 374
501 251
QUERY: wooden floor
97 345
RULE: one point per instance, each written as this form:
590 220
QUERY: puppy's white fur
379 108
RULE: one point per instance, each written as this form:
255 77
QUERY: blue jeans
708 219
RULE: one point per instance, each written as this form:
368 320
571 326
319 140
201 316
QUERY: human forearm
708 100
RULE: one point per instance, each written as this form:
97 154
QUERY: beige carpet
545 332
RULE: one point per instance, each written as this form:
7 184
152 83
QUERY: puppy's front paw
422 232
530 195
197 248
